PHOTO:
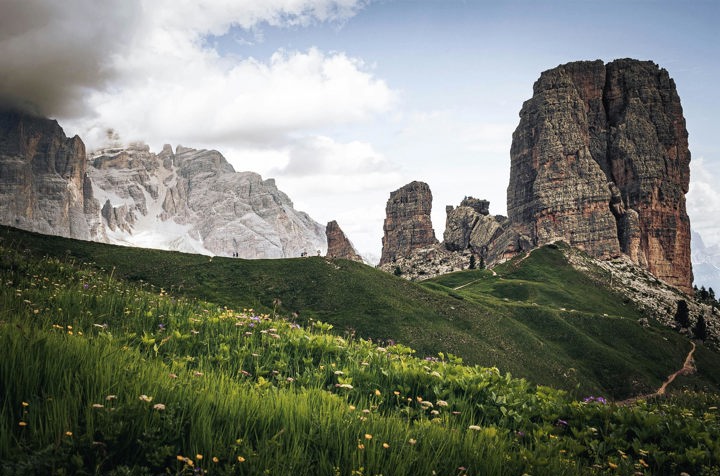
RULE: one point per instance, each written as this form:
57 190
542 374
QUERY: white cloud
703 200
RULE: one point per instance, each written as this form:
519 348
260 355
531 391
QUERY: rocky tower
600 159
338 245
407 224
42 177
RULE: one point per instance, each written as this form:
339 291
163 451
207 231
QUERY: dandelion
361 446
215 459
160 407
368 436
385 445
198 456
145 398
240 459
351 408
377 392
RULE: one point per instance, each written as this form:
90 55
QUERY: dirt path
687 368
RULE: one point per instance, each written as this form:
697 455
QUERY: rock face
42 178
407 225
193 200
470 227
600 159
338 245
187 200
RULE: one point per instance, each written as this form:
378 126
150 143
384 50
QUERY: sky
345 101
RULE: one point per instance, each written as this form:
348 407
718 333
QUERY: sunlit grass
105 377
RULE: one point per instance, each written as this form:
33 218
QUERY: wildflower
441 403
368 436
145 398
339 372
215 459
474 428
25 404
352 408
642 462
612 465
160 407
22 423
245 373
180 458
68 433
198 456
361 446
172 375
396 393
197 374
240 459
111 397
290 379
377 392
385 445
98 405
434 412
344 385
366 411
412 441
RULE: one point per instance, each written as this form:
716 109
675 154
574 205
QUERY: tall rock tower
600 159
407 224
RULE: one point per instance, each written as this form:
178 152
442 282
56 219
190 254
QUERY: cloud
703 200
144 66
53 53
200 99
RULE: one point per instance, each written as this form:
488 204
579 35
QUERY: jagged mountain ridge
187 200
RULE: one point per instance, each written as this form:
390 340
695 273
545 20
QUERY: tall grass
104 377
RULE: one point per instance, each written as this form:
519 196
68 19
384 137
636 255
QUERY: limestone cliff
42 178
600 159
338 245
407 225
193 200
188 200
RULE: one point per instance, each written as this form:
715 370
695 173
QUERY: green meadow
125 361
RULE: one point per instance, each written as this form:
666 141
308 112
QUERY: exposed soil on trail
687 369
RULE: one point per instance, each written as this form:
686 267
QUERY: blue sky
344 101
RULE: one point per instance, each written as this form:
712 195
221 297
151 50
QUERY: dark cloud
54 53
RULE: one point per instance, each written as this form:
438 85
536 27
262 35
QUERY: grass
104 375
540 307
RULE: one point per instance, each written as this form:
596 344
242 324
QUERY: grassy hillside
539 319
101 375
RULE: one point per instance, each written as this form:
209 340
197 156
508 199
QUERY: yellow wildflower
386 446
198 456
215 459
241 459
68 433
377 392
368 436
25 404
22 423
